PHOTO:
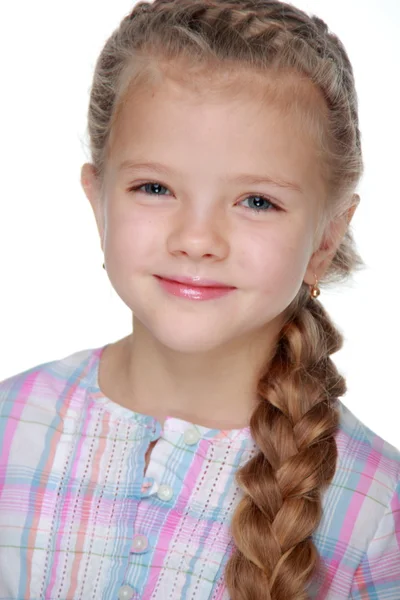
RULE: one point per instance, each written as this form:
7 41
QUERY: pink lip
202 289
195 281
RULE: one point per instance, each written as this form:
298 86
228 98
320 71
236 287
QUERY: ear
332 238
91 187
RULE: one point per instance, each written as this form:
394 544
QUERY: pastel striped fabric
80 519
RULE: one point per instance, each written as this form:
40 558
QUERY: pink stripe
39 499
41 490
86 515
63 521
175 517
354 509
395 507
12 424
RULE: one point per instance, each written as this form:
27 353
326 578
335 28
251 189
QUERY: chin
186 339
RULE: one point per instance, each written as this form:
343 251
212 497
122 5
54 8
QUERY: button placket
191 436
140 542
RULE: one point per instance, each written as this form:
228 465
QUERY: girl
207 455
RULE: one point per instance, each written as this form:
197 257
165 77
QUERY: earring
314 289
103 266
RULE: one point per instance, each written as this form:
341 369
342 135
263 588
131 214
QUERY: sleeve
378 574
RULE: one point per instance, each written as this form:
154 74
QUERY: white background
55 297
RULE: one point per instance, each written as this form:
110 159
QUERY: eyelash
256 210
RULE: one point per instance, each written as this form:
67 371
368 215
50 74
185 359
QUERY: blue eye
259 200
151 184
262 203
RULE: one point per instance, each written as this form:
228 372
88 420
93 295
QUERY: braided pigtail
294 427
295 421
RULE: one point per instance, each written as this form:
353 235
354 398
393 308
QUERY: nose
199 236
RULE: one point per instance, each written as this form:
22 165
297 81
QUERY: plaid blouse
80 518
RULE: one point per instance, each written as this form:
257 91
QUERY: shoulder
365 486
36 391
360 447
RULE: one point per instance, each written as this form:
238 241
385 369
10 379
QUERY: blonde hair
295 422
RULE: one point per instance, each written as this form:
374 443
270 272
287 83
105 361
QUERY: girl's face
196 163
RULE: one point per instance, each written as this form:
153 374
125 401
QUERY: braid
296 418
293 426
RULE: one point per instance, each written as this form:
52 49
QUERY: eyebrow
128 165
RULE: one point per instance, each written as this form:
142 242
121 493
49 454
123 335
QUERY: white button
140 543
165 492
126 593
191 436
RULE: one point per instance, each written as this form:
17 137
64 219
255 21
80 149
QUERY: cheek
134 241
276 262
132 249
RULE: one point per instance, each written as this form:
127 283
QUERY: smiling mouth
196 282
191 291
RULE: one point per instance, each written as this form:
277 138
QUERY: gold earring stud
103 266
314 290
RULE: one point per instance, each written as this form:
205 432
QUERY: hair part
294 425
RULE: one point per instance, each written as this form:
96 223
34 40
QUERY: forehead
213 81
176 110
286 91
286 88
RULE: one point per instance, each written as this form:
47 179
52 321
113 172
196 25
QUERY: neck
216 389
